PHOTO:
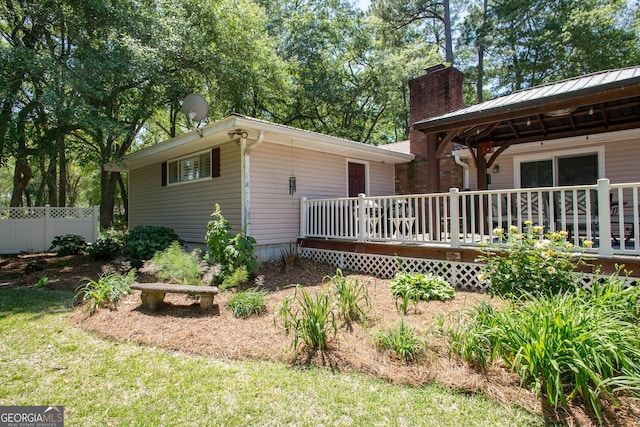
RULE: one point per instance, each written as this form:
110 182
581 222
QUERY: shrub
108 245
174 264
248 303
574 344
69 244
402 340
529 262
238 276
352 297
108 289
414 287
310 318
229 251
143 241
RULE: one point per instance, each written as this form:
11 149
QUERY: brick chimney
437 92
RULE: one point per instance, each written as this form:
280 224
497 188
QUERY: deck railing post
454 217
47 227
362 218
604 218
94 227
303 217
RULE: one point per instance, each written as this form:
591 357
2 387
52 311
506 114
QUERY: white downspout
246 185
465 171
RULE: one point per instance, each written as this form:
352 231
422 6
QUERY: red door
356 179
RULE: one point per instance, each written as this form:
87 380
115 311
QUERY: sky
362 4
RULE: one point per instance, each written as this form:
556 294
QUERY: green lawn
44 360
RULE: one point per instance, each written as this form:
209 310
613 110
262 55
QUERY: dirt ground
181 325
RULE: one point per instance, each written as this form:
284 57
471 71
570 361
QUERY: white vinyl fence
33 229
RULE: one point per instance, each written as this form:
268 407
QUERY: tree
536 41
399 14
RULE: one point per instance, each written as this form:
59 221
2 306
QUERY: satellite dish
194 107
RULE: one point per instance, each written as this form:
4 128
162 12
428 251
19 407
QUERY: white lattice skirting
462 275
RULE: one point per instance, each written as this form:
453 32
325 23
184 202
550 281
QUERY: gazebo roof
595 103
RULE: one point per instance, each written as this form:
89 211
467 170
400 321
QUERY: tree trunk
21 178
62 177
447 33
124 195
52 185
108 182
480 41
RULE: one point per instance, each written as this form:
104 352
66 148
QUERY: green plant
352 297
174 264
310 318
402 340
414 287
41 282
230 251
107 246
578 343
69 244
108 289
529 262
143 241
289 257
248 303
238 276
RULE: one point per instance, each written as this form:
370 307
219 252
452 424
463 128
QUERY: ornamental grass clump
575 344
530 262
402 340
352 297
248 303
310 318
107 290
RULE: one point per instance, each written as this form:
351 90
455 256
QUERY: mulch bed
181 325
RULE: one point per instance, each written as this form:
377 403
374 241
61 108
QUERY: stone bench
153 293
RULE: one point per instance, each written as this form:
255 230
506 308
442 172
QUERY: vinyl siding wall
274 214
186 207
621 160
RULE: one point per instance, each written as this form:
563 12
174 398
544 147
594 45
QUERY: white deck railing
586 212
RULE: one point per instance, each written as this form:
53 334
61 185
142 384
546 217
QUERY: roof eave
612 91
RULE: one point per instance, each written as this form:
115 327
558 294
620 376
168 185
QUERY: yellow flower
588 243
498 231
482 277
548 254
528 222
569 245
538 229
564 233
513 228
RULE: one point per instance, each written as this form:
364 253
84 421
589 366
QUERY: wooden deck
444 252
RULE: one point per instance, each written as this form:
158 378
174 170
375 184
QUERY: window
190 168
560 170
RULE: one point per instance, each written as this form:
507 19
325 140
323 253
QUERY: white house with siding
257 171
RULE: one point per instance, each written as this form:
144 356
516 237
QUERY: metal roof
545 96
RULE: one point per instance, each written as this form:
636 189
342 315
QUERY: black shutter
215 162
164 174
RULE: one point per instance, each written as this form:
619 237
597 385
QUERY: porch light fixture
496 169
